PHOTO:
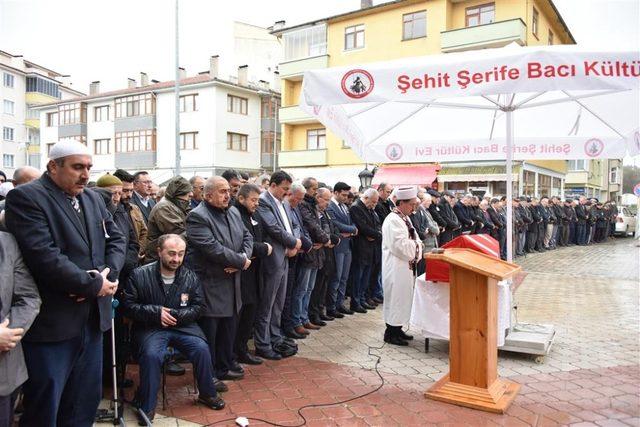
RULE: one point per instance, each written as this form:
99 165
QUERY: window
8 80
614 175
9 107
7 160
101 146
47 87
188 103
31 113
534 23
135 105
71 114
480 15
528 183
305 42
140 140
189 140
236 141
269 107
354 37
7 134
578 165
101 113
544 185
316 139
52 119
238 105
49 147
414 25
266 146
550 38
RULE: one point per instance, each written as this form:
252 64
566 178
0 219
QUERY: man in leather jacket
164 301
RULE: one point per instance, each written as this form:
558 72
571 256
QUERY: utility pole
177 94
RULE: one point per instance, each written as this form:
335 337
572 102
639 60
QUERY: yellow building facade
393 30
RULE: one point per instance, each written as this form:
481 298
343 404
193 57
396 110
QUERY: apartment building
25 85
224 123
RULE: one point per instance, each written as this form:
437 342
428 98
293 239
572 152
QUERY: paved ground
591 375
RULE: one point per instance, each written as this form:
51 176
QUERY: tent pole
509 171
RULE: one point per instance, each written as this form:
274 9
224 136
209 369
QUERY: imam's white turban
68 148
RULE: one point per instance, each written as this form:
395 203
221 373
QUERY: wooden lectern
473 354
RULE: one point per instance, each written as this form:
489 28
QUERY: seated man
164 301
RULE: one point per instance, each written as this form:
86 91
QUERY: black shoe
285 350
367 306
358 309
345 310
404 336
249 359
318 322
268 354
237 368
215 403
220 386
372 302
232 376
173 369
141 421
290 333
326 317
395 341
290 342
335 314
378 300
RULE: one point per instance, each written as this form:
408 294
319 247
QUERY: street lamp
365 176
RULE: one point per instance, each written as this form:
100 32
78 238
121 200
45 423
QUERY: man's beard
170 267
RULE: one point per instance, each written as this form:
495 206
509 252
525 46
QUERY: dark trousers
566 230
361 275
287 321
532 237
153 354
221 334
581 234
502 241
245 328
65 380
572 233
601 234
445 237
337 287
540 236
6 408
375 281
319 295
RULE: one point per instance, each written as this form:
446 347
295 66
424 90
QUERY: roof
390 5
200 78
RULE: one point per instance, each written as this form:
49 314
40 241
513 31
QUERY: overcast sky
110 40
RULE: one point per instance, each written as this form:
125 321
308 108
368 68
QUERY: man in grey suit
142 188
219 248
275 216
21 305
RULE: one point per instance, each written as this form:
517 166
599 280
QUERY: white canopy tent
513 103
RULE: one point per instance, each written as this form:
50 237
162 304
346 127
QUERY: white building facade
223 125
23 86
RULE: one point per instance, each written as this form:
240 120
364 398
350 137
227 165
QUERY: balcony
67 131
293 70
294 116
133 123
266 161
496 34
298 158
136 160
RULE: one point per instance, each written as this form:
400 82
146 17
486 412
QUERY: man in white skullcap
74 251
401 251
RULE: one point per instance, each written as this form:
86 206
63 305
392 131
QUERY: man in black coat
452 228
219 248
582 217
164 300
461 209
74 251
500 231
250 279
369 233
532 230
384 205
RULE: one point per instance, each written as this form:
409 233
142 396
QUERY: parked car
626 222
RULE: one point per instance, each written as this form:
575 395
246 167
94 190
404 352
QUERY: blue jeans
300 303
338 283
153 354
361 278
65 380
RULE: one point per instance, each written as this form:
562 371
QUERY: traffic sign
636 190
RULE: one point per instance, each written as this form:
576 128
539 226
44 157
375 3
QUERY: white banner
507 70
523 149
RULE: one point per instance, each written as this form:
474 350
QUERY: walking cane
117 416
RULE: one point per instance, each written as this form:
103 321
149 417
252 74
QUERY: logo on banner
357 84
593 147
393 152
317 109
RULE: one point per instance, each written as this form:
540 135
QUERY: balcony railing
302 158
296 68
294 115
496 34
